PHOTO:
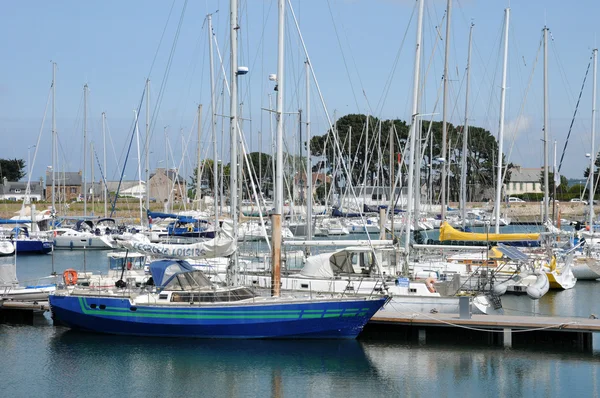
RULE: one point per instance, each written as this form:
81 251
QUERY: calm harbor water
44 360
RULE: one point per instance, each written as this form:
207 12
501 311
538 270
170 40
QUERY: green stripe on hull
214 315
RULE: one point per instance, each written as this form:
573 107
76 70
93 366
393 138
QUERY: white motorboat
7 248
68 238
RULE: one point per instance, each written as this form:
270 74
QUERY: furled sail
449 233
222 246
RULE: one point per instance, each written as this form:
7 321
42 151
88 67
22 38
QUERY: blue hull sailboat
185 303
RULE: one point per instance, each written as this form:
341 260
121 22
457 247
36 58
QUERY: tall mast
137 138
198 173
501 124
53 141
85 89
213 122
444 112
413 126
92 172
276 217
105 172
147 146
463 170
167 169
556 176
309 189
546 187
593 154
233 170
366 161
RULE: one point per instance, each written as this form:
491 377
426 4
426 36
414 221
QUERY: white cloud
515 127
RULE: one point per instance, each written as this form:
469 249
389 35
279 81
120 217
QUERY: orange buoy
429 283
70 276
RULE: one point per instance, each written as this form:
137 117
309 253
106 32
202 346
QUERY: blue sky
353 45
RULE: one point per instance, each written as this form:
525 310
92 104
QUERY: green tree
207 176
563 187
261 165
481 156
12 169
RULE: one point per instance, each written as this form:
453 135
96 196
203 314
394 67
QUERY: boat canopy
163 270
89 225
106 221
327 265
449 233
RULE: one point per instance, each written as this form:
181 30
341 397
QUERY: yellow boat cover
449 233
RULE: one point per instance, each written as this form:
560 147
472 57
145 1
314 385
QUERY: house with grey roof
17 190
524 180
68 185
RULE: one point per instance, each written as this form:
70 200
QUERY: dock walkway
496 329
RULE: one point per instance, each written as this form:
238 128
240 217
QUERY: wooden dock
21 312
506 330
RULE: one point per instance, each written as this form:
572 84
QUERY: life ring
190 229
70 276
429 283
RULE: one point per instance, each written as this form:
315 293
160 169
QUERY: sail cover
449 233
222 246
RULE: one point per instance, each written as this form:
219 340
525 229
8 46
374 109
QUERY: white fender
540 287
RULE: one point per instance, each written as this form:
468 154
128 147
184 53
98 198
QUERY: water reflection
445 371
208 367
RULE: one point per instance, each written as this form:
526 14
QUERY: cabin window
17 191
304 285
412 290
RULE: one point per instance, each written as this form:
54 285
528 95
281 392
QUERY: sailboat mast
546 187
276 217
556 176
233 170
213 122
364 193
53 141
105 171
199 166
309 188
463 172
92 172
413 126
85 89
501 124
137 138
444 112
593 154
147 146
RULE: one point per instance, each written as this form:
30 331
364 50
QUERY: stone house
68 186
167 185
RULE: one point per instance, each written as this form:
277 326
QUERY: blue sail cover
184 219
337 213
163 270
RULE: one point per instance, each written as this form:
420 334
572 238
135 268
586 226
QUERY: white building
17 190
523 181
